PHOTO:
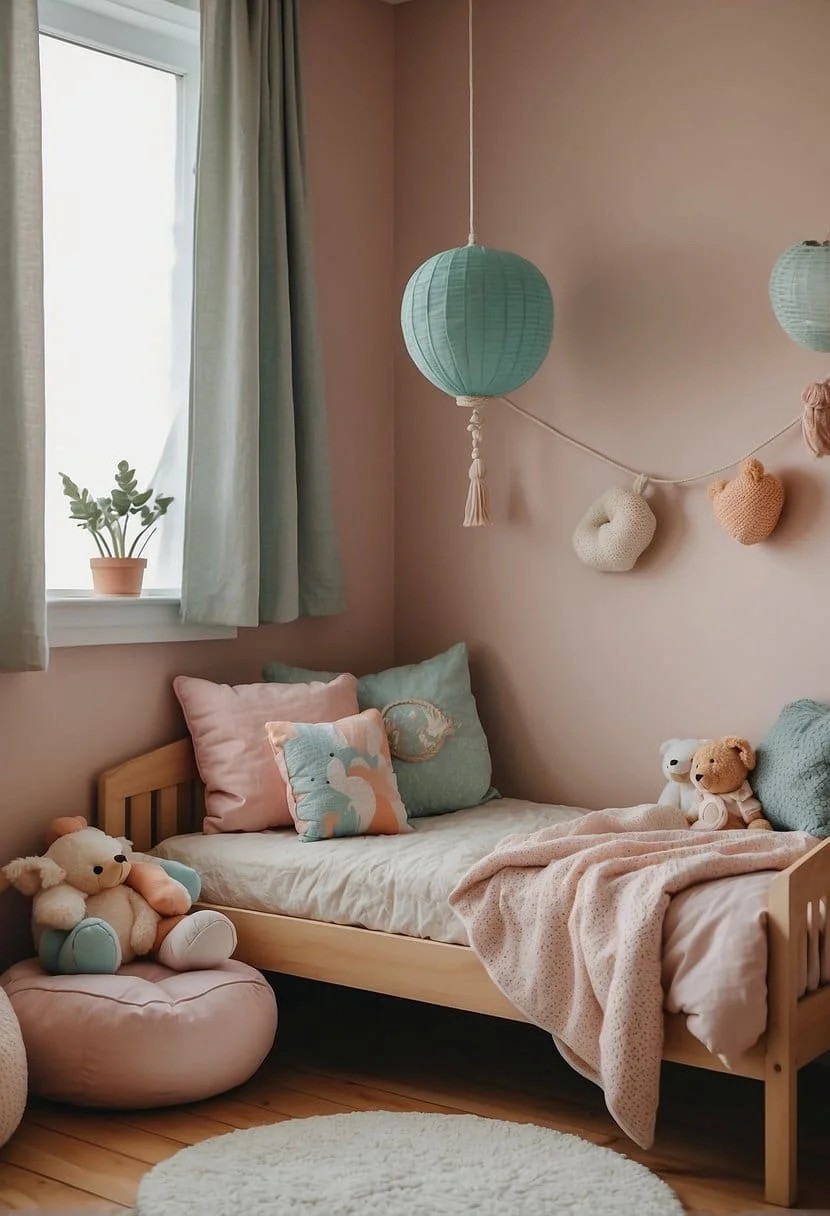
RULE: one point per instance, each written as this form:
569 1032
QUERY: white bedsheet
397 884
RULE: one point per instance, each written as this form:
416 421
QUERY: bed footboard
798 1026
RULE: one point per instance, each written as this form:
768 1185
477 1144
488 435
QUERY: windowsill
79 618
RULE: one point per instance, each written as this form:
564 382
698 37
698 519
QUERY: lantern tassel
477 513
815 421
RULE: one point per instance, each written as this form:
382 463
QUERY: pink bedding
569 922
715 961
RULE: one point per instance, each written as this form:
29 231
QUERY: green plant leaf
69 487
107 518
120 501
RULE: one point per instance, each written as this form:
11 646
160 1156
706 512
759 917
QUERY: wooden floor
340 1051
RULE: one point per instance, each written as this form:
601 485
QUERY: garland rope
624 468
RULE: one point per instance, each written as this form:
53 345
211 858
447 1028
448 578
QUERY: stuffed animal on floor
97 906
677 761
724 796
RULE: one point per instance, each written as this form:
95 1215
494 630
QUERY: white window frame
160 34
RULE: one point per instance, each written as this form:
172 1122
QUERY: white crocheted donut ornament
617 529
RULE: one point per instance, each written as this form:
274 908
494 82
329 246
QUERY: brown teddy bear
724 796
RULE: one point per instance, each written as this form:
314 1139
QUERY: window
120 103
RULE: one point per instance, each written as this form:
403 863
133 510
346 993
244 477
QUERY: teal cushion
282 673
792 776
439 749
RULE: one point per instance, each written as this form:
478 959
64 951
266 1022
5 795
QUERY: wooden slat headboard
153 796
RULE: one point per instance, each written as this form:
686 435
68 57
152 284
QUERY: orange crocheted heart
748 507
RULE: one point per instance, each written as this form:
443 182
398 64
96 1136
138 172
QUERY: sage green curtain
260 543
22 558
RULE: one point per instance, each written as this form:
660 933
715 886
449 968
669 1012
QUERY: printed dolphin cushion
339 777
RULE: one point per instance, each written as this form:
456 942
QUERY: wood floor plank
107 1132
23 1191
237 1115
175 1123
356 1096
459 1099
493 1103
76 1164
292 1102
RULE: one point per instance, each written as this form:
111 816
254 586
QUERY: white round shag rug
380 1163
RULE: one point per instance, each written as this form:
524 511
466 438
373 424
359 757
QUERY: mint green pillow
439 749
792 775
281 673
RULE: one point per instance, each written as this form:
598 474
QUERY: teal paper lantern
477 322
799 290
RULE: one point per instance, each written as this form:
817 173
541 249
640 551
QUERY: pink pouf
145 1037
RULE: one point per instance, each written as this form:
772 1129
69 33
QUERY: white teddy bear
677 761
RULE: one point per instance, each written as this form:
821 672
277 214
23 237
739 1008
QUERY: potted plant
118 570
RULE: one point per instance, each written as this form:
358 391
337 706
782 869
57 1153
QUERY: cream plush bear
85 918
677 762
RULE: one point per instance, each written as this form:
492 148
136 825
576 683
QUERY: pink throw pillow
244 790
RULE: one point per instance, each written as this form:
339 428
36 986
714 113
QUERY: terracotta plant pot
117 575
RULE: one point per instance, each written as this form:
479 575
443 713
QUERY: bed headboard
153 796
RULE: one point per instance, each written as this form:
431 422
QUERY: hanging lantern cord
471 239
477 513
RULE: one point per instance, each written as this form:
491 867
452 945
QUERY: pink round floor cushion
145 1037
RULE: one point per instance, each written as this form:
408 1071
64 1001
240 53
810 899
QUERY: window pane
115 335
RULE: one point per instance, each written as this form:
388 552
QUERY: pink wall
99 705
653 159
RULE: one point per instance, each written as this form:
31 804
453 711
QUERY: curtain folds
22 559
260 542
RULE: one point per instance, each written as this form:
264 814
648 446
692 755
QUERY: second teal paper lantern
799 291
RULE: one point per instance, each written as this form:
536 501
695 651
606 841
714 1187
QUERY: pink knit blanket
568 922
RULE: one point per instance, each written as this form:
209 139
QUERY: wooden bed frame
158 795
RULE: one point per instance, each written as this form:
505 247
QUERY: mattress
715 942
397 884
